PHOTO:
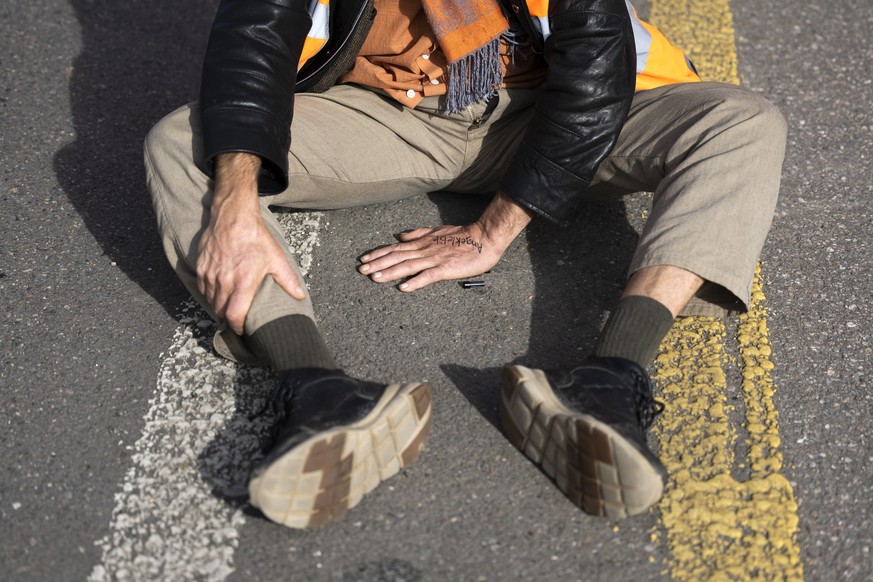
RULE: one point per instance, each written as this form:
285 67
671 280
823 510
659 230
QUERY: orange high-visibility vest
658 62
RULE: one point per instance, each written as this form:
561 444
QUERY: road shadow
569 303
227 461
139 61
579 271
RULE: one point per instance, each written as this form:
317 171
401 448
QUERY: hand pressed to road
428 255
237 251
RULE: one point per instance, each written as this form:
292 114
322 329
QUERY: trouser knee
768 121
171 149
765 133
177 186
759 121
738 133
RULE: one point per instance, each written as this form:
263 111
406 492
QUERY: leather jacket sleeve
247 88
250 73
581 107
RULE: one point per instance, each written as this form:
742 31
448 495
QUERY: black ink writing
457 241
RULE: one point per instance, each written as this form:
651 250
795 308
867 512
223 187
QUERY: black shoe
336 438
585 428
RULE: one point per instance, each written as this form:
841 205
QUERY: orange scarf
468 32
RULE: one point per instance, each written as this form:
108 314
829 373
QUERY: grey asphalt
88 308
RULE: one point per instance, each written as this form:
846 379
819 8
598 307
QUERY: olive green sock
634 330
291 342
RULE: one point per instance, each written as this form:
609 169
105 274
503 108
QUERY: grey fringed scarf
469 32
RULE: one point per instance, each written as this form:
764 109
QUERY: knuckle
426 277
224 281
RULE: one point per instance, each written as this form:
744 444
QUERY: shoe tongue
332 399
300 378
588 377
600 393
301 382
616 405
325 389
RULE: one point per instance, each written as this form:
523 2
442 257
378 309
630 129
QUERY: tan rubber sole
591 463
320 479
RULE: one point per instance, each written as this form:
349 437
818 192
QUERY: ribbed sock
291 342
634 330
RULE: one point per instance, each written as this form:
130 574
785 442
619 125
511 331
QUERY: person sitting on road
319 105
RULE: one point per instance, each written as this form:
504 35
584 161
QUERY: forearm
236 184
503 220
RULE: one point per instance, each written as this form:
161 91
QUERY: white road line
202 432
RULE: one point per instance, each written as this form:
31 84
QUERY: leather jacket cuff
251 131
543 187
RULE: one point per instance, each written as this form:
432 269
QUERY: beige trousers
711 153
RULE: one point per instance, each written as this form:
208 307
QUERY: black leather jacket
250 77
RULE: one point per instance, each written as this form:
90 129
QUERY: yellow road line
719 527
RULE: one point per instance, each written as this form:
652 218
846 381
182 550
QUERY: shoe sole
321 478
595 466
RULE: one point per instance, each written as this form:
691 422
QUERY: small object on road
472 284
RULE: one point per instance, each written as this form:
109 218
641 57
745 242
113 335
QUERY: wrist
503 220
236 183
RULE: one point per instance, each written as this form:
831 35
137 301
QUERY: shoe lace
648 408
284 391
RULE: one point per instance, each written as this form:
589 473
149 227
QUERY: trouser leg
350 147
182 195
335 163
712 154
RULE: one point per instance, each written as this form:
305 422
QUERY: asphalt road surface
125 443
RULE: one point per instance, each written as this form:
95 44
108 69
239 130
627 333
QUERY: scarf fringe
474 77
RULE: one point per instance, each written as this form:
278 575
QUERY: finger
287 279
236 313
208 288
218 298
239 304
395 258
375 254
404 269
202 271
205 289
388 255
415 234
414 239
423 279
382 251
